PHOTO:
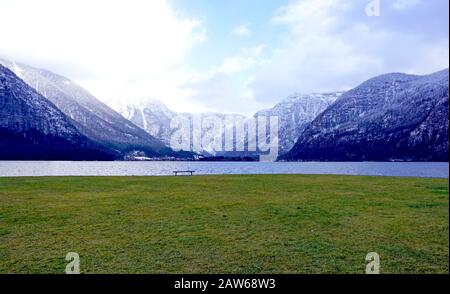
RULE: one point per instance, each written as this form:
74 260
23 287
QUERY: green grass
224 224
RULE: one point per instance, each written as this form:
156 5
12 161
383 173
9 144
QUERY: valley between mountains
392 117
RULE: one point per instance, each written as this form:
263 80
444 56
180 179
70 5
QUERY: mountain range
32 127
390 117
294 114
92 118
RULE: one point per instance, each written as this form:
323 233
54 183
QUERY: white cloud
242 30
331 45
220 90
138 49
247 58
404 4
115 48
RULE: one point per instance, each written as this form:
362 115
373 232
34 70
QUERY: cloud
134 50
220 92
332 45
246 59
224 88
111 46
242 30
405 4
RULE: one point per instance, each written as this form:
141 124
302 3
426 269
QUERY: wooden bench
176 172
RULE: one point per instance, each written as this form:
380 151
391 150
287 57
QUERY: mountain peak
31 127
94 119
389 117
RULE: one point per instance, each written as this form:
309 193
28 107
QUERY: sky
233 56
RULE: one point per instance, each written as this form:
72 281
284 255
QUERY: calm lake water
162 168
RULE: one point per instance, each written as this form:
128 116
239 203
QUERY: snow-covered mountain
93 118
155 118
293 113
390 117
31 127
152 116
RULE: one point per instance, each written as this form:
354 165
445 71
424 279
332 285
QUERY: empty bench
190 172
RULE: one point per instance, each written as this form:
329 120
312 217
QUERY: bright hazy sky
223 55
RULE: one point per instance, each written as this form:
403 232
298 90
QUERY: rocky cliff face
390 117
152 116
31 127
294 113
94 119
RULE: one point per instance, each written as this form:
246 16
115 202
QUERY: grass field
224 224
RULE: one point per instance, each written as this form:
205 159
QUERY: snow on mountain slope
155 118
294 113
390 117
93 118
152 116
31 127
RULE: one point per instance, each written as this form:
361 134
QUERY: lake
164 168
